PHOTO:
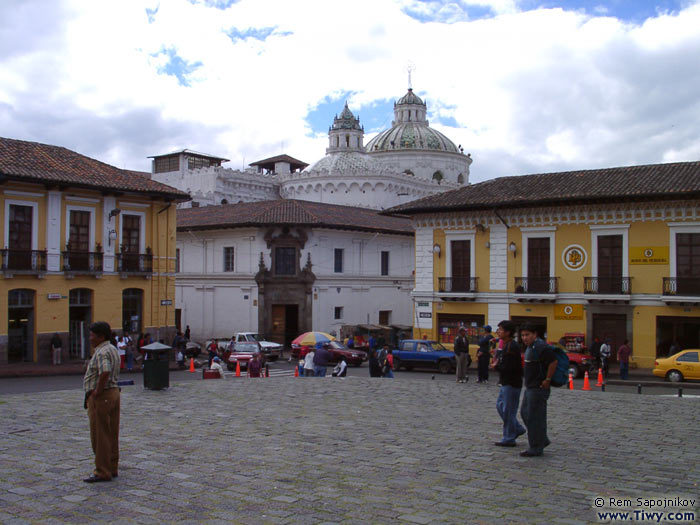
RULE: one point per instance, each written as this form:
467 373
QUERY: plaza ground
353 450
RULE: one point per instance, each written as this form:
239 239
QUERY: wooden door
612 327
461 265
610 264
538 265
278 323
20 237
688 263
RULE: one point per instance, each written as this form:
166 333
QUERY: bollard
639 388
680 392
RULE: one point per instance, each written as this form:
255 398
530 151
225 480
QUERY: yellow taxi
678 367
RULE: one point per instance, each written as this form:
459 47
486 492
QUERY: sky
525 86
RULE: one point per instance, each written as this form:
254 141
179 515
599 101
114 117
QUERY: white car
271 350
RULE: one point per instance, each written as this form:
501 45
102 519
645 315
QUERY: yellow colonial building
82 241
610 253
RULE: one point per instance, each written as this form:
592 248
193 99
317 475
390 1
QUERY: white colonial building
347 264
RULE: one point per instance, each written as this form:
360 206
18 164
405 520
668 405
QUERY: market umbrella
311 338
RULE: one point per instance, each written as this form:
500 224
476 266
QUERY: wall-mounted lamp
112 236
437 250
513 248
115 212
488 245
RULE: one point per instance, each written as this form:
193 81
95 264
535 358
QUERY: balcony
457 284
536 289
79 262
135 263
607 285
682 286
23 261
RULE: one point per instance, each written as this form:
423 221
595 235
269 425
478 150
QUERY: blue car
421 353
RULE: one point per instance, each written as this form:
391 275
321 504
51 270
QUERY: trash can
156 367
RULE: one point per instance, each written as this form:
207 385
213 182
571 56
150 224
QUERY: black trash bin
156 367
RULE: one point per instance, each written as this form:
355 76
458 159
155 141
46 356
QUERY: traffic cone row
600 377
191 364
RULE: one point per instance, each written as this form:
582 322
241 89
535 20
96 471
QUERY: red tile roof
43 163
679 180
290 212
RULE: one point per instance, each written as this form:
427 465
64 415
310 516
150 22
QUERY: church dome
410 130
411 135
346 120
342 162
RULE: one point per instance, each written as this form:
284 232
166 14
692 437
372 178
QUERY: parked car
679 367
579 362
271 350
422 353
338 352
242 353
192 349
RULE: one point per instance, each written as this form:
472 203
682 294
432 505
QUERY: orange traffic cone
191 364
600 377
238 369
571 381
296 371
586 384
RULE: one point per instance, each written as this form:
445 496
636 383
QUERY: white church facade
344 263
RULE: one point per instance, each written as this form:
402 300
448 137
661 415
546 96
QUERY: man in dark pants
483 355
540 364
462 355
102 400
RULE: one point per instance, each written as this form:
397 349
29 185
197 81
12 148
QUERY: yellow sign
568 312
649 255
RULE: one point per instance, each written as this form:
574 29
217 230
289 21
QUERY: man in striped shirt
102 401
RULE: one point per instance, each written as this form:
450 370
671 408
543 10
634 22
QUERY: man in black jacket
462 355
510 368
483 355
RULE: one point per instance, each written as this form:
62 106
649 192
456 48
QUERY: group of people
316 360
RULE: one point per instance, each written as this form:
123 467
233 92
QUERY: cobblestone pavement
353 450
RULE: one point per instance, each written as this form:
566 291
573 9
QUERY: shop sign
568 312
649 255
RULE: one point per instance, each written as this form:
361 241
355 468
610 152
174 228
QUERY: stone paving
353 450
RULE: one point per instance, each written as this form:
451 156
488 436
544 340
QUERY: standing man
483 356
56 347
540 364
605 352
461 354
510 367
595 351
623 356
321 358
102 401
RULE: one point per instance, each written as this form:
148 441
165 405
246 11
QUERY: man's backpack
561 373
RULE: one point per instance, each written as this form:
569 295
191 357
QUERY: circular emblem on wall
568 309
648 253
574 257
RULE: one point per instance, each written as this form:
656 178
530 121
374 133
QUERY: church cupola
345 134
410 108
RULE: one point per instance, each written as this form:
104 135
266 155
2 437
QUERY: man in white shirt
216 366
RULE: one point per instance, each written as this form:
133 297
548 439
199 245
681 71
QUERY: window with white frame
228 259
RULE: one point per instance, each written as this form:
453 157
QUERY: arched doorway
80 317
132 310
20 325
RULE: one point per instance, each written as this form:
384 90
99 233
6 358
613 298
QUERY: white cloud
532 91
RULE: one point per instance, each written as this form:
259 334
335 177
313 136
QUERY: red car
338 352
579 363
242 353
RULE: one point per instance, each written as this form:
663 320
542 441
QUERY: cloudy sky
525 86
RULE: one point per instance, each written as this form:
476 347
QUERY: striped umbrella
311 338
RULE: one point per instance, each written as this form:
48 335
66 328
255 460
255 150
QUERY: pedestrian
510 369
320 360
56 349
623 356
374 369
121 347
540 364
216 367
388 364
254 365
372 343
129 353
309 362
102 401
595 352
605 352
483 355
180 358
341 369
213 350
187 332
462 354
